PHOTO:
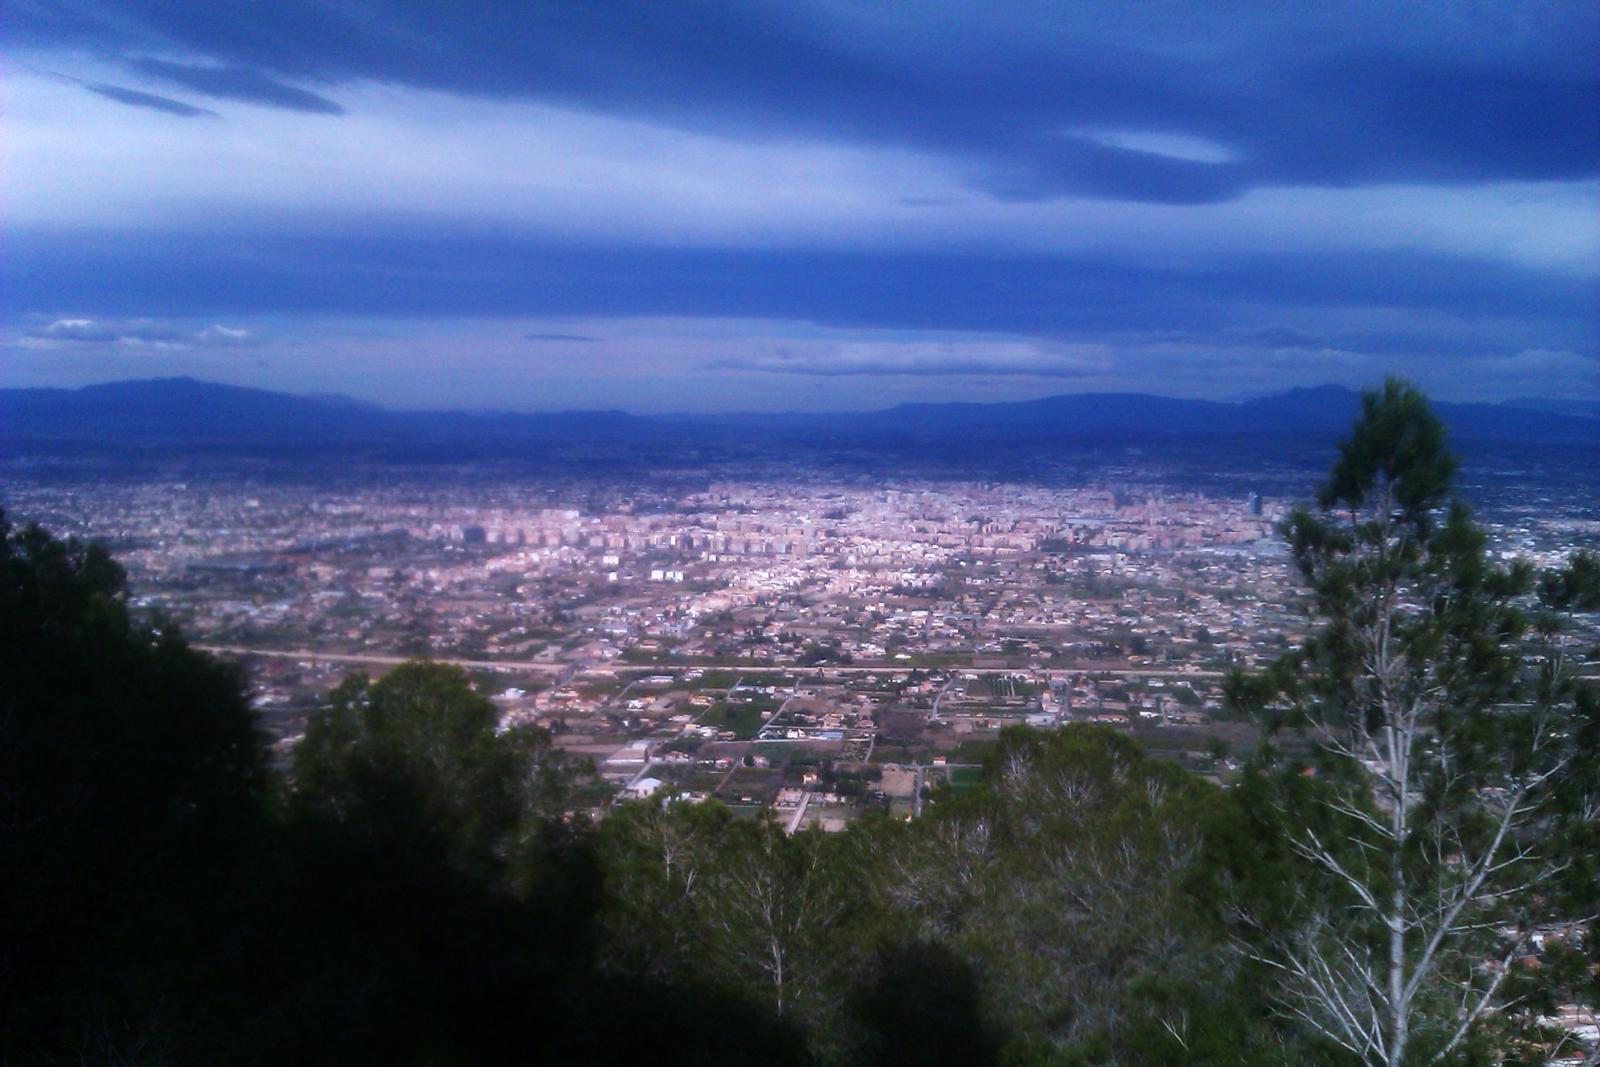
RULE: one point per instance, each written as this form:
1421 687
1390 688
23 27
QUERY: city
818 647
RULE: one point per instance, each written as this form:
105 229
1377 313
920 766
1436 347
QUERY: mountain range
191 413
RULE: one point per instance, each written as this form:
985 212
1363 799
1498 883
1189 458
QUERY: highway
377 660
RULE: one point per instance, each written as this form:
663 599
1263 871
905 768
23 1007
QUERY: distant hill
1589 409
182 409
1074 414
1324 410
189 413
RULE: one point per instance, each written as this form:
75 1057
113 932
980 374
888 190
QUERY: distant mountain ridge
1327 409
186 411
1589 409
190 410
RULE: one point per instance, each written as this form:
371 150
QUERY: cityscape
818 647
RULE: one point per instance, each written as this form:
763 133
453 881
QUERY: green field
963 779
743 719
971 751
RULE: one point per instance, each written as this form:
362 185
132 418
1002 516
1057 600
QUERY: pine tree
1423 759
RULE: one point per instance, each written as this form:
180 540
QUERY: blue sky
797 205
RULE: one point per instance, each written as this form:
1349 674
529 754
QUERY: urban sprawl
817 647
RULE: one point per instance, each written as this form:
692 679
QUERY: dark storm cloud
237 83
890 367
1477 339
1058 164
1283 337
440 275
135 98
1018 100
1399 118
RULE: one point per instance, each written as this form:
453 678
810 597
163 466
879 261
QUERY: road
636 779
726 778
377 660
776 711
799 813
619 703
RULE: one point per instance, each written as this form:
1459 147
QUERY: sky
801 206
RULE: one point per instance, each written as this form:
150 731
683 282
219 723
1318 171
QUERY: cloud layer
1068 195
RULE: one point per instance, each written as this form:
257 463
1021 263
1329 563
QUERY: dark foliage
133 795
411 900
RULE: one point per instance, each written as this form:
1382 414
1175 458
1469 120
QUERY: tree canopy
1447 742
